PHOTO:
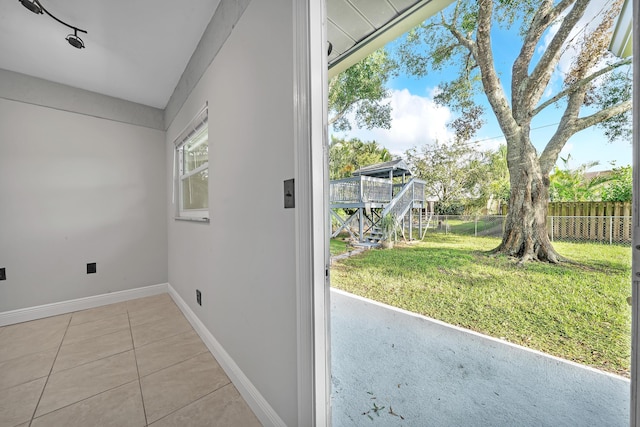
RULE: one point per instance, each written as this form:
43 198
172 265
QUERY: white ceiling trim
413 15
622 41
45 93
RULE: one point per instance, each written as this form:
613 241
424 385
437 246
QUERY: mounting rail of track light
36 7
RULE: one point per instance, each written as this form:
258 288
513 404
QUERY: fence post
475 234
611 230
552 229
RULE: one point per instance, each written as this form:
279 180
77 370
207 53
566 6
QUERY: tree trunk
525 236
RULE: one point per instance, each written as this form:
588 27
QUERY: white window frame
193 129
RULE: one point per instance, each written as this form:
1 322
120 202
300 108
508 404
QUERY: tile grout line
92 361
82 364
194 401
187 329
135 358
108 316
97 336
50 371
206 350
95 321
149 322
163 338
84 399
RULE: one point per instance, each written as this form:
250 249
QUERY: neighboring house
589 176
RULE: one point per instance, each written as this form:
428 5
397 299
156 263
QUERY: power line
502 136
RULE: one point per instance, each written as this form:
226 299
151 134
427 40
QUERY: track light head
36 7
74 40
33 6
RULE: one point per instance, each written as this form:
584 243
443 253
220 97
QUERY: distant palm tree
571 185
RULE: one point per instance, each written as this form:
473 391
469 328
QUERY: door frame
310 131
312 245
635 281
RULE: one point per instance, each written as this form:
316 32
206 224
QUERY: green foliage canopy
361 89
620 188
572 185
456 173
346 156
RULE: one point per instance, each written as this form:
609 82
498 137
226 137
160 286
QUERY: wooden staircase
375 235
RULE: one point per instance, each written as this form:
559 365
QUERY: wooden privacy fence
589 209
590 221
600 229
586 209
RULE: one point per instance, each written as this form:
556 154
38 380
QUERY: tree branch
464 41
537 82
571 124
565 130
602 115
579 84
335 118
490 80
544 17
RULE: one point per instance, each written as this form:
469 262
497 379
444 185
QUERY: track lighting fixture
74 40
32 6
36 7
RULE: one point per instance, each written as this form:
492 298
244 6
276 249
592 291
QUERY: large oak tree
596 90
360 94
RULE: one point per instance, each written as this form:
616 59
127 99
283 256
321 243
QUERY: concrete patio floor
433 374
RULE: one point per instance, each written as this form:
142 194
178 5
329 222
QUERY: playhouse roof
381 170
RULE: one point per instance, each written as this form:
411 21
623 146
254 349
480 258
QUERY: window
192 169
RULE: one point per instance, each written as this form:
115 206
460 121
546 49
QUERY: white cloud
415 121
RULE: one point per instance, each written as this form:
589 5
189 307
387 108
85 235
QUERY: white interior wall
76 189
243 261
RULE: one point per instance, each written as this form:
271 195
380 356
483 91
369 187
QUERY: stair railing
403 201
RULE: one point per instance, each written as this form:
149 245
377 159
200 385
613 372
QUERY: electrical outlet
3 274
92 268
198 297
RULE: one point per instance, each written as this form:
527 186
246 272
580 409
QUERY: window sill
191 219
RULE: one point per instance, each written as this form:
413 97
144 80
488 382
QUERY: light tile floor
136 363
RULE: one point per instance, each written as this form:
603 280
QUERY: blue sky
417 120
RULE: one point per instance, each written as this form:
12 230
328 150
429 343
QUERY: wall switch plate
289 194
92 268
198 297
3 274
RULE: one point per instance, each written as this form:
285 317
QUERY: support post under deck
361 224
411 222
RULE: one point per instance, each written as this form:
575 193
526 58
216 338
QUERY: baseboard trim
258 404
64 307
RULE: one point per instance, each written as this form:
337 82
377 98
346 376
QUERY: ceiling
137 50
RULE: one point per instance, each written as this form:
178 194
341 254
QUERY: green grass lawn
575 311
337 246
